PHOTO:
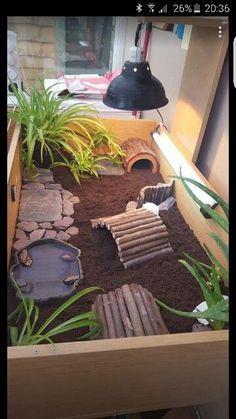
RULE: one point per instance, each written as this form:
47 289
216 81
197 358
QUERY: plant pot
202 307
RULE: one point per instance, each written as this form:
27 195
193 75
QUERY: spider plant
50 127
81 161
29 336
208 276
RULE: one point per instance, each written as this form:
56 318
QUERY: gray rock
66 194
70 279
20 234
40 205
47 226
74 199
68 257
50 234
55 186
37 234
132 205
64 223
63 236
21 282
108 168
67 208
27 225
27 288
72 231
19 244
33 185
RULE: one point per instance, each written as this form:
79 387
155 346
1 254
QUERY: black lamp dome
135 89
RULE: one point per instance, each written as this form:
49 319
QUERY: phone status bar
184 9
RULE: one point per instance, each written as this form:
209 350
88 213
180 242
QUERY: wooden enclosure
104 377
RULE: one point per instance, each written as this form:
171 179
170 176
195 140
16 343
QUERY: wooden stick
141 234
145 226
144 252
148 329
100 312
151 313
156 310
116 315
137 242
124 313
109 318
137 249
118 216
133 311
136 223
144 216
145 258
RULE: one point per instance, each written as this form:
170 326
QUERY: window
52 45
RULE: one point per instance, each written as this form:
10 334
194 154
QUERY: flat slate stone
74 199
46 225
50 234
27 225
63 236
66 194
41 175
64 223
68 208
54 186
20 234
33 185
37 234
19 244
73 231
40 205
109 169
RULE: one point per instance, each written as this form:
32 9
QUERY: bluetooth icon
139 7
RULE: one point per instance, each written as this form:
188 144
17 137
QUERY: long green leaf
208 191
217 312
66 304
221 221
13 335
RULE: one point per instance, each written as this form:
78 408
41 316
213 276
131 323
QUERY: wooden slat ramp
129 311
155 194
140 235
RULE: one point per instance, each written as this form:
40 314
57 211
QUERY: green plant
29 336
208 276
52 128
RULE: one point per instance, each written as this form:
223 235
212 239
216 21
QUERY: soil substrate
164 276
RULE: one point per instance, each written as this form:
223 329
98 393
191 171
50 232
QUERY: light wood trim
12 149
14 178
200 225
200 78
100 378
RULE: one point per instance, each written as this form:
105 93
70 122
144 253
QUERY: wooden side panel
201 74
101 378
200 225
14 180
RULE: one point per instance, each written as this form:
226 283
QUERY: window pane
52 45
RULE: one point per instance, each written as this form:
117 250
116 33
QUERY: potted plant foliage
54 135
216 310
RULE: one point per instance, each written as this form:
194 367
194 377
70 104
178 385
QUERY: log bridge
155 194
140 235
137 149
129 311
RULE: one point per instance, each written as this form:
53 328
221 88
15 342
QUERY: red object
147 39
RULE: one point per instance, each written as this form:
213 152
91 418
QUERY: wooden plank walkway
129 311
140 235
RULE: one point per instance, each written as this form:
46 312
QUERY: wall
36 44
213 156
164 54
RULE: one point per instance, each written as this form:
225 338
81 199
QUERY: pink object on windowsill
90 84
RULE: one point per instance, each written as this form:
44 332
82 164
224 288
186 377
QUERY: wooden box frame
100 378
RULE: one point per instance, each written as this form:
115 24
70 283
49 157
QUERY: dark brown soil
165 276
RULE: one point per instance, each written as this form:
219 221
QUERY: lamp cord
162 120
137 34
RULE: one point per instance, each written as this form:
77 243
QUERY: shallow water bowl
47 268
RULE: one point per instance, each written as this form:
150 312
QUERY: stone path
45 211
